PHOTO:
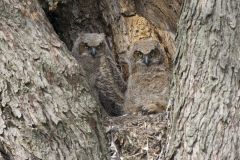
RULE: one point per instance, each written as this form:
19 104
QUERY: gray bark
46 109
206 82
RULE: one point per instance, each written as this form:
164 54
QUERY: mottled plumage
149 78
97 60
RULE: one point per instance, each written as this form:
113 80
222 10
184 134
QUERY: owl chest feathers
95 57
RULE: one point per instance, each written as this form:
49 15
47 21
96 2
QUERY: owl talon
153 108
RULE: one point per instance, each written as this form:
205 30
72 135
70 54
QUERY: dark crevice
73 17
4 153
57 20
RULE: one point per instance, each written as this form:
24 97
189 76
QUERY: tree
206 82
46 108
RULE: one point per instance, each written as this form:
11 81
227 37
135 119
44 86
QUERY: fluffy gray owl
148 83
93 53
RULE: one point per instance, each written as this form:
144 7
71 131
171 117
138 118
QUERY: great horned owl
148 82
97 60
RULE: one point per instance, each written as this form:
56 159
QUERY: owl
104 77
148 82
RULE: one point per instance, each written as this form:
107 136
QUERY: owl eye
100 45
153 53
138 55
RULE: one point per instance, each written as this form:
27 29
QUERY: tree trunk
46 109
206 82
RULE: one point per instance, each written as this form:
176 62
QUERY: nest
136 137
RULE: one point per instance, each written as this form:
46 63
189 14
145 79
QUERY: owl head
91 44
89 49
146 54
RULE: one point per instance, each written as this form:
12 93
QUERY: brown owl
148 82
93 53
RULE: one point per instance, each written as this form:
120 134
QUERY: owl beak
93 52
146 60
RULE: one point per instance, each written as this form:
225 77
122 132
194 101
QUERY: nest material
136 137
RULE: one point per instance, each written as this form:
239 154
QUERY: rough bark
206 82
46 109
